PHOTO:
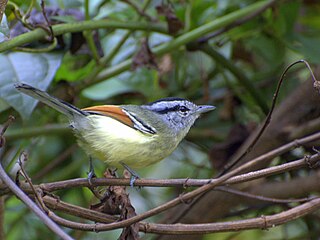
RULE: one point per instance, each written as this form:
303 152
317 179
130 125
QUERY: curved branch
59 29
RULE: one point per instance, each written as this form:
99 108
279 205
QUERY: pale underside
113 142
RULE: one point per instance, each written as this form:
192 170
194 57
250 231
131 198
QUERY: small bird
127 135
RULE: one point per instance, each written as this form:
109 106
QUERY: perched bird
128 135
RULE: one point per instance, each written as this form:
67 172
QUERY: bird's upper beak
204 108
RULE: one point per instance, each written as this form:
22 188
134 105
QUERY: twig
83 182
28 179
237 179
47 21
268 118
30 204
21 195
6 125
141 12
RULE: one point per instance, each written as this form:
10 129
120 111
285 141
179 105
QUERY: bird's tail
57 104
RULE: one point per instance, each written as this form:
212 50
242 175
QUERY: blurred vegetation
236 70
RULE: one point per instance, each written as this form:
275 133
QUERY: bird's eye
183 109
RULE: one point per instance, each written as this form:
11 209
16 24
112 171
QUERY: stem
59 29
36 131
88 35
185 38
109 56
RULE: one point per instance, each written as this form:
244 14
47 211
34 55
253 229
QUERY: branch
231 164
263 222
23 197
82 182
39 34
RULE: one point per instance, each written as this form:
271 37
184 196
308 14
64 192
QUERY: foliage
121 52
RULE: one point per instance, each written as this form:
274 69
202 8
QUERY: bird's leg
134 175
91 173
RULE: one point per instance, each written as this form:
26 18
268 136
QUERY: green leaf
107 89
37 70
74 68
143 80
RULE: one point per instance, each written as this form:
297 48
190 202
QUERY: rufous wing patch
111 111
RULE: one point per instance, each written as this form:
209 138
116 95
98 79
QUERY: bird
133 136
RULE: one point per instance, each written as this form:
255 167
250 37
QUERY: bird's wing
122 115
111 111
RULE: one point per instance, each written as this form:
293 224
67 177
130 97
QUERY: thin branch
30 204
88 35
92 227
268 118
263 222
308 161
51 36
141 11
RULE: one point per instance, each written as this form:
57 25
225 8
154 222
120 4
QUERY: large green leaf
37 70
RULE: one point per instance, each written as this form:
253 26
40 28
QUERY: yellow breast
113 142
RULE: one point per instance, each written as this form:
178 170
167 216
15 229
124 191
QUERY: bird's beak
204 108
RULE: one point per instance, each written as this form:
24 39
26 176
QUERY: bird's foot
134 175
91 173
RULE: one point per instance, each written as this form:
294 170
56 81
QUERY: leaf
143 80
107 89
4 29
37 70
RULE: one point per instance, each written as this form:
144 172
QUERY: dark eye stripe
167 109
